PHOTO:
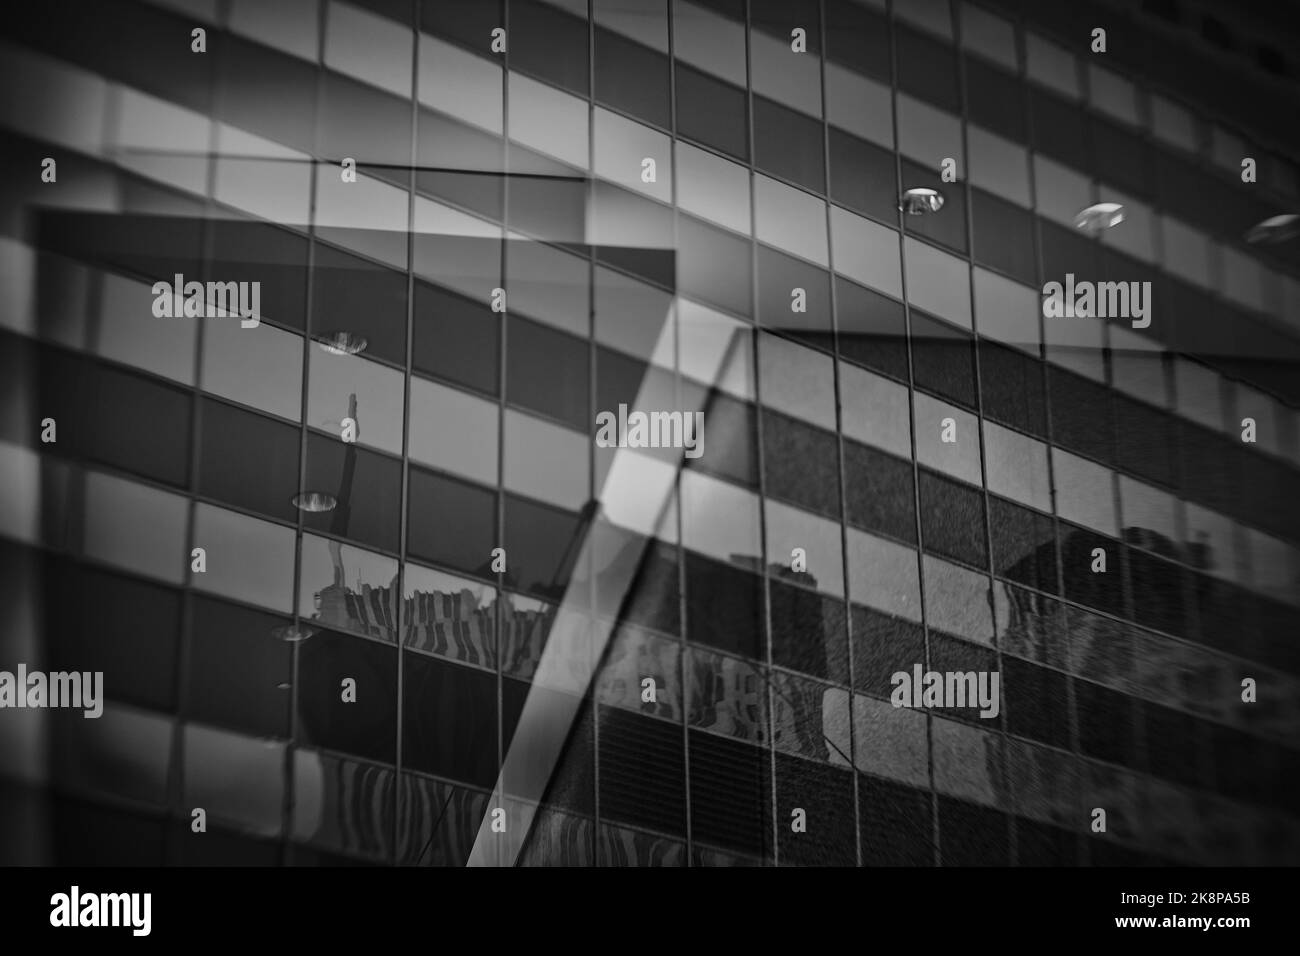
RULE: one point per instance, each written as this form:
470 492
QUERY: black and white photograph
769 434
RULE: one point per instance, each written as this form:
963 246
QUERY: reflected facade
493 641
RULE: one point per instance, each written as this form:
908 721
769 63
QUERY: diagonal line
451 792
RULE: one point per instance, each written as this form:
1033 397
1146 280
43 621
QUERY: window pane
1006 310
352 295
134 527
261 366
928 135
937 282
714 266
790 218
879 492
926 67
622 146
998 165
1024 545
451 522
779 73
1012 387
449 616
248 560
449 723
347 589
712 187
883 575
460 84
889 742
456 338
801 464
709 42
370 47
368 487
862 176
859 105
988 35
546 461
453 431
1051 65
957 601
875 410
808 633
943 358
1083 492
631 77
547 372
866 252
779 278
797 380
549 43
235 666
724 606
1003 236
249 460
952 519
995 100
133 336
344 387
959 458
711 112
718 518
1017 466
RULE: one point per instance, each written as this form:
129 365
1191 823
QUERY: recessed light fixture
342 343
314 501
292 633
921 201
1276 229
1100 217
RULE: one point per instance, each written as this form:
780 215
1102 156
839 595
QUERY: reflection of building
523 172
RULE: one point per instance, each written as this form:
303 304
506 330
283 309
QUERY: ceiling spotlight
314 501
920 201
1100 217
292 633
342 343
1277 229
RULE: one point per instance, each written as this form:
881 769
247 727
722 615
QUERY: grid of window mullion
176 785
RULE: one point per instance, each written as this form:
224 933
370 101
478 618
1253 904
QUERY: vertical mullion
1011 829
912 425
398 598
847 634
